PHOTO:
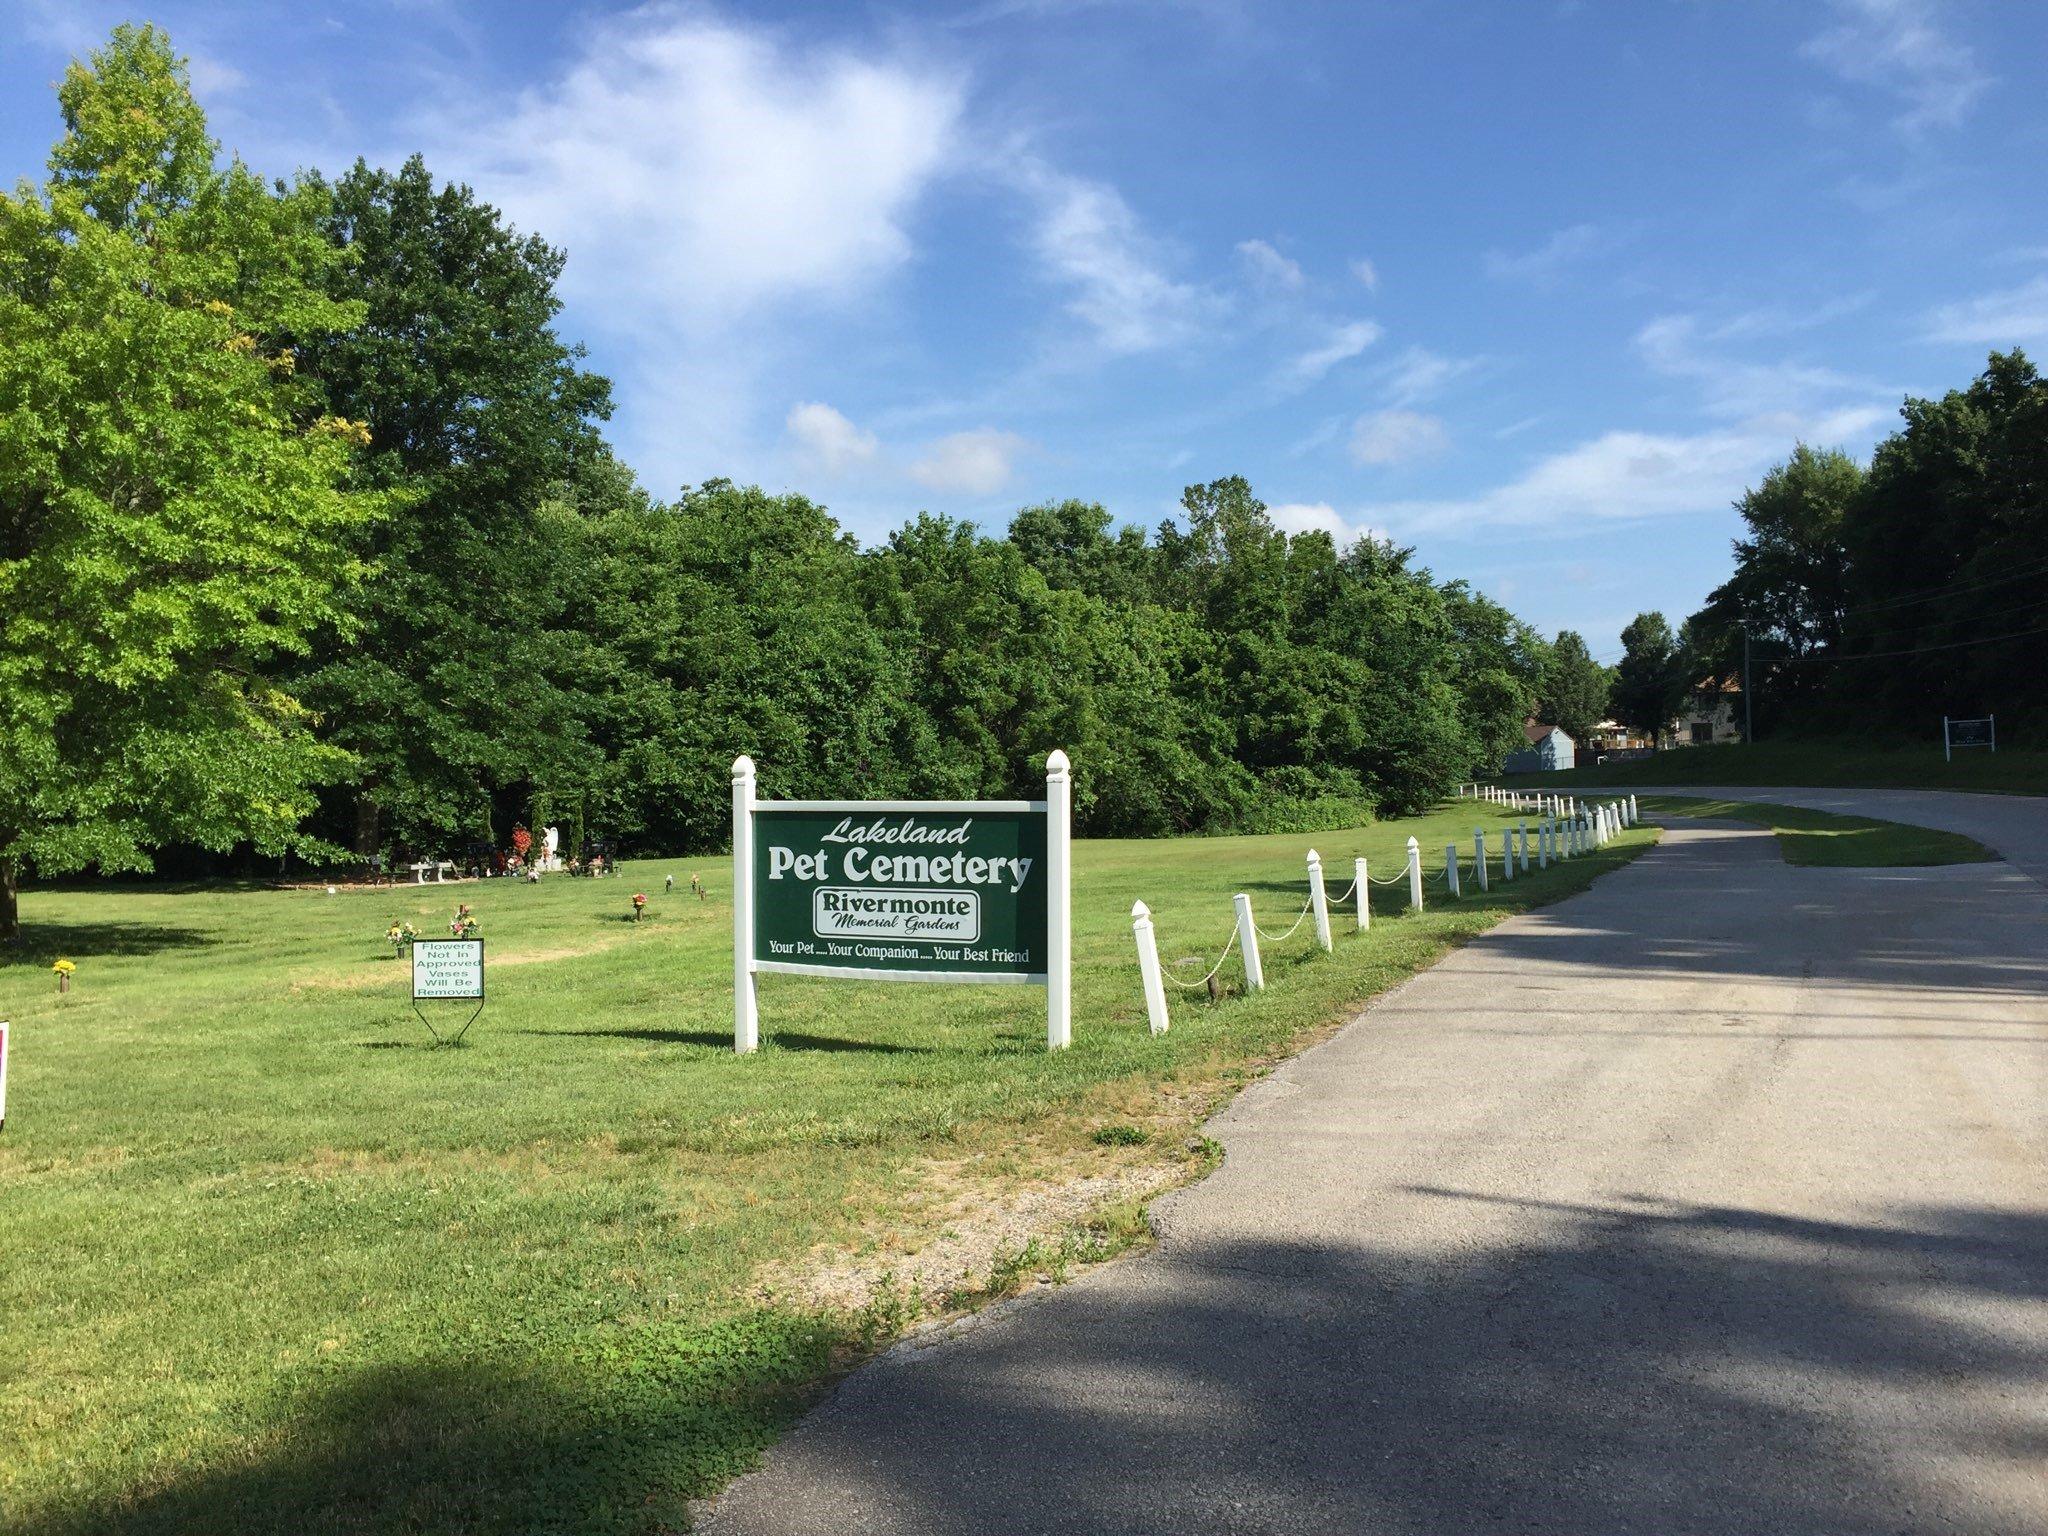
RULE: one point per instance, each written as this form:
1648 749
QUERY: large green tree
1575 687
460 695
1650 681
175 508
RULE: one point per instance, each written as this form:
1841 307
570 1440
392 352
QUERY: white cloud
1344 343
1395 437
1671 345
1548 260
827 440
977 463
1268 266
1899 46
1630 476
1088 238
1419 374
1366 273
1999 319
1321 517
701 171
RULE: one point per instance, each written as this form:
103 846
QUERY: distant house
1549 750
1613 742
1710 716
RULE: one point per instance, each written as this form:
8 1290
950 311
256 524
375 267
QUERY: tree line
310 540
1875 600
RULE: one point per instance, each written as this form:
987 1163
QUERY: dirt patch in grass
954 1234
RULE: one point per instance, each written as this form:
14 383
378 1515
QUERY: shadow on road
1643 1368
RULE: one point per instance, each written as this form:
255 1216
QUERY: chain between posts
1275 938
1191 986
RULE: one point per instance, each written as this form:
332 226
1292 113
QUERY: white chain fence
1611 817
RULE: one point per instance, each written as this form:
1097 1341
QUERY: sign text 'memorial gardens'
919 890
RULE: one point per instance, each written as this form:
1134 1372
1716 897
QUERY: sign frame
1950 741
477 996
6 1031
1056 978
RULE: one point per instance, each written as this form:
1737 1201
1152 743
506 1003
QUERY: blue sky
1537 288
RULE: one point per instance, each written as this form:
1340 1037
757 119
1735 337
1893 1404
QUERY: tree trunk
10 902
366 825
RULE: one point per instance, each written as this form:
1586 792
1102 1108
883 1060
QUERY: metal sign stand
454 1039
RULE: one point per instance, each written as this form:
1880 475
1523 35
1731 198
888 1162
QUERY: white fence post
1248 942
1634 812
1522 844
1362 888
1414 874
1507 854
1451 870
1059 874
1148 966
746 1006
1318 900
1479 855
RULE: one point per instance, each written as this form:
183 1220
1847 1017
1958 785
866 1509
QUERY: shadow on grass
771 1039
41 943
603 1434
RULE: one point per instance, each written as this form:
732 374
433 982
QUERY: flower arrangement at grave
62 970
401 936
639 905
464 924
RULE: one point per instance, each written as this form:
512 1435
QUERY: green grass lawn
1822 837
1817 765
273 1264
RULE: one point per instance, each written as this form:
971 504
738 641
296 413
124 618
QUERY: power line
1922 650
1949 590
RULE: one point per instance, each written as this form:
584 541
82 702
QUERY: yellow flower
241 342
219 307
64 967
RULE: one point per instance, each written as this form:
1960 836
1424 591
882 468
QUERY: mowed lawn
272 1263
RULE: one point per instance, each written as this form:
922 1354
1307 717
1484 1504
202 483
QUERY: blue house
1549 750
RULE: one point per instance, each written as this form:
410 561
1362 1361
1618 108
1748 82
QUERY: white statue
551 839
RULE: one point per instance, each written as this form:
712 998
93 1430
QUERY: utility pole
1748 727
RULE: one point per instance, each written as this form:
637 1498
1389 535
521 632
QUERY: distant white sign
447 968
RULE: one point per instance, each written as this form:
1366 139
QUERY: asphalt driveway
1710 1200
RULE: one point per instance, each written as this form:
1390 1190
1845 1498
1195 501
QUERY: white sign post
448 970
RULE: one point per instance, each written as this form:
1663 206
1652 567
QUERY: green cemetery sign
952 895
915 890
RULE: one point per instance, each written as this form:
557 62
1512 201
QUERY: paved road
2015 827
1710 1201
